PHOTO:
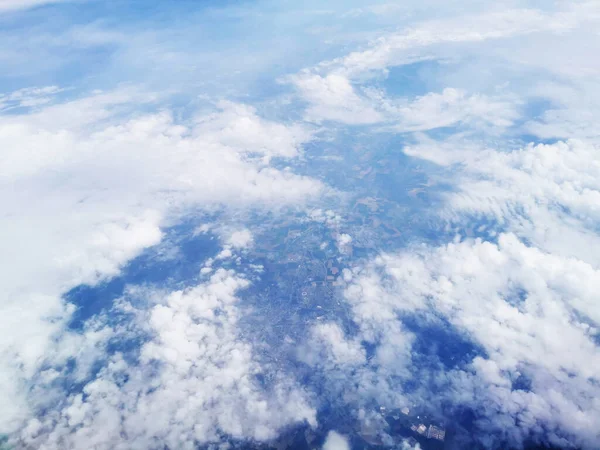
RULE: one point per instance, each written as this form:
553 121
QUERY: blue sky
156 156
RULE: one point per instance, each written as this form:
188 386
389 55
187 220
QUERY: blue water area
149 268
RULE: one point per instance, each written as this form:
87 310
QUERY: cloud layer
88 184
194 382
532 313
94 172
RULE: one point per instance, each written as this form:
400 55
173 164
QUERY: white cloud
88 185
406 445
240 239
194 381
548 194
235 241
574 110
467 44
329 345
353 380
328 217
13 5
530 307
344 242
453 107
399 48
333 98
534 314
238 126
27 97
336 441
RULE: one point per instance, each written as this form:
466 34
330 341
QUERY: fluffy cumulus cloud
524 293
344 242
547 193
334 98
240 239
336 441
88 184
456 107
533 313
194 381
354 380
530 306
338 350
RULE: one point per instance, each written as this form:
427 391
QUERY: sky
146 136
